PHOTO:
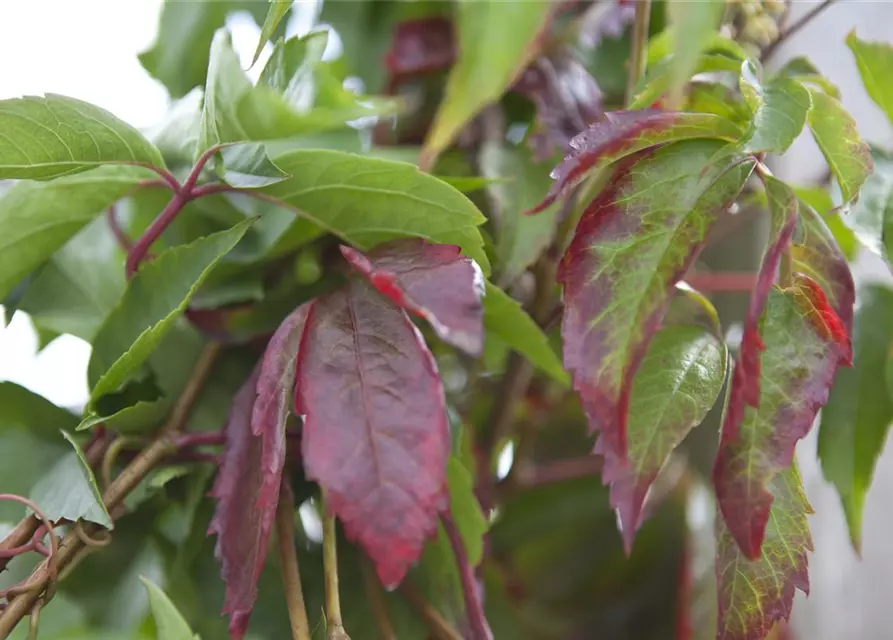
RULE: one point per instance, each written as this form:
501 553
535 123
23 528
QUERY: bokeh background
88 49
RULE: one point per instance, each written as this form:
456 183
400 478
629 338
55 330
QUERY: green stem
334 624
288 560
638 47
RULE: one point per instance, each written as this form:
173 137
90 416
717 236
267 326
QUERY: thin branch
288 561
813 13
474 608
376 600
111 215
334 624
72 548
546 473
724 281
166 176
638 46
437 625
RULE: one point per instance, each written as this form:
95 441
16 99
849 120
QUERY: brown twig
288 561
474 608
440 628
71 549
813 13
725 281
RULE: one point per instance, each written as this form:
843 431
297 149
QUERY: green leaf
177 134
79 285
834 130
871 218
296 94
517 184
496 41
23 409
37 218
692 25
756 594
658 79
676 385
277 11
69 490
53 136
779 111
505 319
169 623
367 201
803 71
662 46
874 59
154 299
857 417
820 200
466 510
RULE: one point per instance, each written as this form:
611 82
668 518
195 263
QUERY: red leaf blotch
376 436
433 281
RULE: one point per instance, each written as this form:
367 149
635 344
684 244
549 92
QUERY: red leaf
433 281
247 484
622 133
798 368
632 245
375 433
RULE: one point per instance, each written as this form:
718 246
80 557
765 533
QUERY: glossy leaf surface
375 435
435 282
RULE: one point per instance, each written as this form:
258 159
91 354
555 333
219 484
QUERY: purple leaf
375 436
433 281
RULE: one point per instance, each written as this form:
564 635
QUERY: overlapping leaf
154 299
378 200
779 111
834 130
36 219
796 373
634 242
871 218
169 622
375 435
433 281
277 11
496 41
804 71
624 133
755 594
674 388
874 59
658 79
859 412
691 24
53 136
505 319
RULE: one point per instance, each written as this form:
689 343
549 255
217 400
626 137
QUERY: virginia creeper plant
331 297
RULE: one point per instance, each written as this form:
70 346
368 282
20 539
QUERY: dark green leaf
69 490
676 385
169 622
79 285
505 319
277 11
44 138
874 59
367 201
496 40
779 112
154 299
36 218
21 409
857 417
692 25
834 130
517 185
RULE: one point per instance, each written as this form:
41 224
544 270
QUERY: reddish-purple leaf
375 436
623 133
633 244
433 281
419 46
754 595
801 356
247 484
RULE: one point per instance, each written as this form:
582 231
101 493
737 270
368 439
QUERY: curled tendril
47 524
88 540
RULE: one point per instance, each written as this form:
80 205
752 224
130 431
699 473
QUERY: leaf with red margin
434 281
754 595
376 436
815 253
674 388
801 356
624 133
247 484
636 240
